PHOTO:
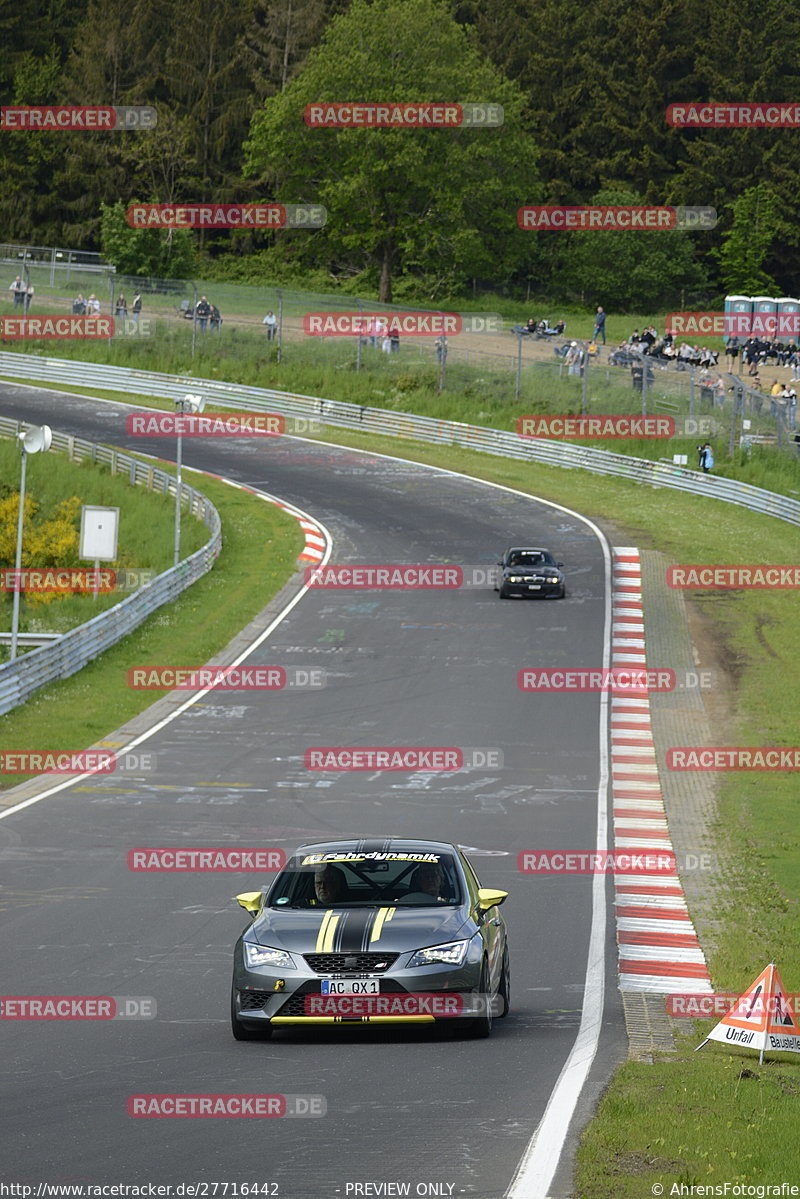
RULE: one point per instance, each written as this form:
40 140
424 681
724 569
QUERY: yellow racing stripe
383 915
322 930
330 932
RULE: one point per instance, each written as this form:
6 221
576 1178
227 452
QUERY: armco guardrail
21 678
397 424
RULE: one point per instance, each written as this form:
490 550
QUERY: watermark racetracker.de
619 218
109 118
388 114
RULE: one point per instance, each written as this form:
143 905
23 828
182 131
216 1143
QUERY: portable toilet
738 316
788 320
765 316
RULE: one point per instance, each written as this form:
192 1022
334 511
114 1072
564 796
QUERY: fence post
280 323
358 336
112 308
519 366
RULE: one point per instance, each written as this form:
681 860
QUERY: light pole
189 404
34 439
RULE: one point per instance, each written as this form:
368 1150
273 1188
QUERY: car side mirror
501 563
559 564
487 898
250 901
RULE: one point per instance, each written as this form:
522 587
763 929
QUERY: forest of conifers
584 87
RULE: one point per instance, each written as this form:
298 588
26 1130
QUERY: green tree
164 254
439 203
746 245
628 270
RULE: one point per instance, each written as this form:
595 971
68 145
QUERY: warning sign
761 1018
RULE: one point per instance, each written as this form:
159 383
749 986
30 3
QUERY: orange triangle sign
761 1018
782 1030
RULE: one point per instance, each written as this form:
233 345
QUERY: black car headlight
264 955
451 954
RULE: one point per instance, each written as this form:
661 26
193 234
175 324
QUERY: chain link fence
502 366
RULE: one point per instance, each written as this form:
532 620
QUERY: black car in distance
530 572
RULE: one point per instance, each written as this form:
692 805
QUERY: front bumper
285 997
533 588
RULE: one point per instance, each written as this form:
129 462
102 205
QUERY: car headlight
452 954
263 955
516 578
553 579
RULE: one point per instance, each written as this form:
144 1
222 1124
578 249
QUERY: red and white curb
314 549
315 542
658 946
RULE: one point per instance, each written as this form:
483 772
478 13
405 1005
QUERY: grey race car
361 932
530 571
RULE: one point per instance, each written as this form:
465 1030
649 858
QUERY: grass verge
259 550
145 541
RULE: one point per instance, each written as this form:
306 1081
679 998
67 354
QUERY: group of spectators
758 350
542 328
81 306
207 315
383 335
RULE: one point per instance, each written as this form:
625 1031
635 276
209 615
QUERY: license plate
351 986
534 587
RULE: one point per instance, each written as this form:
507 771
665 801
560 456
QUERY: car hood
407 928
532 570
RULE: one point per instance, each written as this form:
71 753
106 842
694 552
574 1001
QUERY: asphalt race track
403 668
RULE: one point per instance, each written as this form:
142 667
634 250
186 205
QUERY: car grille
296 1004
350 963
253 1001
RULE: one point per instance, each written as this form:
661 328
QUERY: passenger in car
427 879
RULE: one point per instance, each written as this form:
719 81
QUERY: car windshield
530 558
335 879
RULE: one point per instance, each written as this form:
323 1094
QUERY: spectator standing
216 319
440 346
271 323
28 298
705 458
731 352
574 358
136 307
394 340
121 307
599 326
18 289
202 311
